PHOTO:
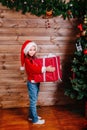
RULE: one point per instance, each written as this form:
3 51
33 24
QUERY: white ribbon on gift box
44 74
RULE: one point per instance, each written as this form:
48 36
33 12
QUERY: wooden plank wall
53 35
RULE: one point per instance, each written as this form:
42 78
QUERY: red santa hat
24 50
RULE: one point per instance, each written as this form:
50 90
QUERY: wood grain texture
53 35
55 118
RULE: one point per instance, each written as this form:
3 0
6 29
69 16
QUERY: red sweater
31 69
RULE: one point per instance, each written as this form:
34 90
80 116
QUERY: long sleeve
32 67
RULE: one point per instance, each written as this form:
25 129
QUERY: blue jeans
33 89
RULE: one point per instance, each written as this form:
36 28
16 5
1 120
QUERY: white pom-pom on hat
22 68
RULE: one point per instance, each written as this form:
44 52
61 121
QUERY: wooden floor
57 118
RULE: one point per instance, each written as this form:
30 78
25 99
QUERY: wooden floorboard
57 118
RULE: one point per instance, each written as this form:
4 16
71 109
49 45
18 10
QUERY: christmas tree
78 89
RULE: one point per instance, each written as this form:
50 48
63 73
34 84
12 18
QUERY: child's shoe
39 122
30 119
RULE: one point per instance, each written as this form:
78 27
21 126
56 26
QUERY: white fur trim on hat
28 46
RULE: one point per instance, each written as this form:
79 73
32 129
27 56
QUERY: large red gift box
49 76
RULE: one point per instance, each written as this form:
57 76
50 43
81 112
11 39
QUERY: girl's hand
50 68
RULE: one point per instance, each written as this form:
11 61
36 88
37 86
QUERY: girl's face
32 51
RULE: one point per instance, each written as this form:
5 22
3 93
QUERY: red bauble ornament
85 51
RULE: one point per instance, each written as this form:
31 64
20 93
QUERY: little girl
28 52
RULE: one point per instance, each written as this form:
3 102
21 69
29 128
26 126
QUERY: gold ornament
83 33
49 12
85 19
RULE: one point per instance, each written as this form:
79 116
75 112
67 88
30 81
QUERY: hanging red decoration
80 27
